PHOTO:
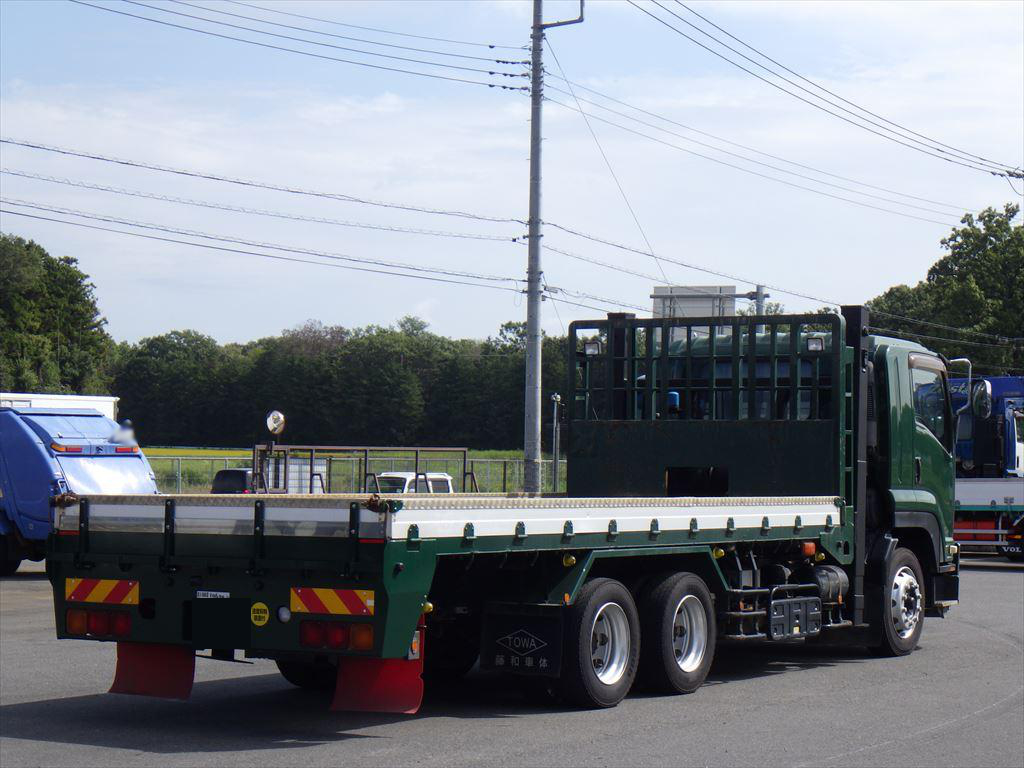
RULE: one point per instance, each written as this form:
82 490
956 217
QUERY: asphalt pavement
958 700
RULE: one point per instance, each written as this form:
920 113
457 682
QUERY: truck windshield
107 474
90 427
391 484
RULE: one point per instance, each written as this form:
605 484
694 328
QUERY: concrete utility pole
759 299
531 431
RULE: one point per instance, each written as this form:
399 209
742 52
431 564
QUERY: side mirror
981 399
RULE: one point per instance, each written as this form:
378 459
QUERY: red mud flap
381 685
148 669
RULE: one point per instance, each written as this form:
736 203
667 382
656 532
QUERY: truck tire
8 564
902 609
601 646
319 675
678 630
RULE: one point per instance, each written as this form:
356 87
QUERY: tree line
404 384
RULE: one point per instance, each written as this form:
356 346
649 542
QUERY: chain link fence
194 474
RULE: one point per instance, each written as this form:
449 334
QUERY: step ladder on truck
730 480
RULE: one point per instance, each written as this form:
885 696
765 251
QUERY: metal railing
194 474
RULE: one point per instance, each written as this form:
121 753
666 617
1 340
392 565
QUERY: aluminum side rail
401 517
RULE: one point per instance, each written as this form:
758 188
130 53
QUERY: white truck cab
410 482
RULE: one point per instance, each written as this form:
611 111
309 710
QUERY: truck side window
930 400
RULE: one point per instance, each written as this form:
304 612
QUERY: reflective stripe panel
106 591
336 602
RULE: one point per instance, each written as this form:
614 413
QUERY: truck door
933 436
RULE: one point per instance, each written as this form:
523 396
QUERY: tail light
121 624
127 449
99 623
76 621
361 638
337 636
313 634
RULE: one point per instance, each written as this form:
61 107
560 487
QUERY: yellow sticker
259 613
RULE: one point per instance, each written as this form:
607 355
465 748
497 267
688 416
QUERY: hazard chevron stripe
335 602
106 591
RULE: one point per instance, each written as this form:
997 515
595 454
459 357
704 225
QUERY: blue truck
990 465
48 456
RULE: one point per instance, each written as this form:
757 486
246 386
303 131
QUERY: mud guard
381 685
152 669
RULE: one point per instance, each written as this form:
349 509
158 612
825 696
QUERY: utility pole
534 292
759 296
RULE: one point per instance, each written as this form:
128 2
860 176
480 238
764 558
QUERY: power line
945 327
895 332
254 211
375 29
393 57
301 53
888 136
611 170
999 169
432 51
836 95
580 86
749 159
253 243
276 257
750 171
258 184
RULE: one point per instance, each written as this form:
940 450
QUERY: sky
99 82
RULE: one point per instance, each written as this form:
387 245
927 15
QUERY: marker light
284 614
59 448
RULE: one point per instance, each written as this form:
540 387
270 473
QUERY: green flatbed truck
730 480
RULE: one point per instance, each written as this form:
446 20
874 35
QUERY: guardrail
194 474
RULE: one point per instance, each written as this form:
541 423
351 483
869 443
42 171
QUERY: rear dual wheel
602 647
678 634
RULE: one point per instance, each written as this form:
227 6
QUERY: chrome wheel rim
689 633
905 602
609 643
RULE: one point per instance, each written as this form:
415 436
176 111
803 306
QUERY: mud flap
380 685
150 669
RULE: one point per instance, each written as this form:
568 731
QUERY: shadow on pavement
263 712
237 714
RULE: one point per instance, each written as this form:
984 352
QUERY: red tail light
76 621
99 623
337 636
121 624
127 449
313 634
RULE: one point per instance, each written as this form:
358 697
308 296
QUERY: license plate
206 593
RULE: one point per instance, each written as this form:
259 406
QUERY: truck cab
990 465
50 453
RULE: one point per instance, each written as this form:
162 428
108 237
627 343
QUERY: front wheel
903 600
601 646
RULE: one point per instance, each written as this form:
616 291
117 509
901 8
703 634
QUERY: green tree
52 335
977 287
